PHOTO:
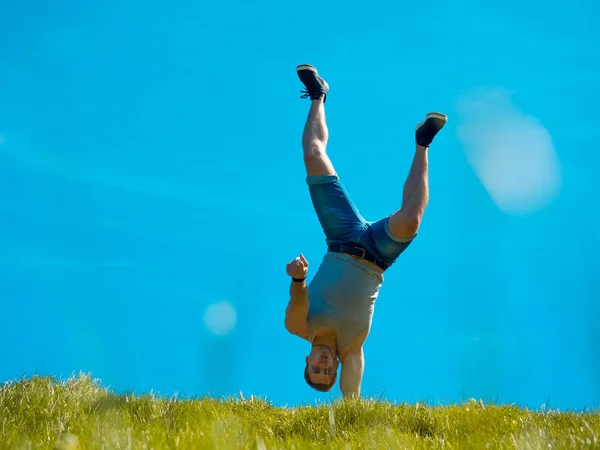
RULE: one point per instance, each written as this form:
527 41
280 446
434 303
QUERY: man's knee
314 152
316 160
404 224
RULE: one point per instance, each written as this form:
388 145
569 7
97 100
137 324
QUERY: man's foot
426 130
316 87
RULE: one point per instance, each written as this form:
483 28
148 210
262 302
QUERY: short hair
322 387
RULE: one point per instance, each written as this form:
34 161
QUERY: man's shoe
316 87
426 130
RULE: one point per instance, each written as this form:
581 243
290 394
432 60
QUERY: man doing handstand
334 312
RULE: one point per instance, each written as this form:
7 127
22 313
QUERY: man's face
321 364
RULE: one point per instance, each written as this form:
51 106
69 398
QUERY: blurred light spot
220 318
511 152
67 441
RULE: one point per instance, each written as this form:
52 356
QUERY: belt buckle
364 252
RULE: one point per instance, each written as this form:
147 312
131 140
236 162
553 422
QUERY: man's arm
297 309
353 366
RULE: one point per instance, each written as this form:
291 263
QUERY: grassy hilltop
46 413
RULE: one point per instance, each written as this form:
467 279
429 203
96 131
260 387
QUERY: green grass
79 413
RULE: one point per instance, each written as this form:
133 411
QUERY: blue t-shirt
342 297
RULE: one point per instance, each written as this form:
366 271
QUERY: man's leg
405 222
315 136
314 141
336 212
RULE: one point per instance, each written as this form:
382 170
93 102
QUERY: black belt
356 250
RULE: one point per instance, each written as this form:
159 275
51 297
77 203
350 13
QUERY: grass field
79 413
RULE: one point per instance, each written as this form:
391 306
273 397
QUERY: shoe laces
305 93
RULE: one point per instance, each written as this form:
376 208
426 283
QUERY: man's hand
298 268
297 309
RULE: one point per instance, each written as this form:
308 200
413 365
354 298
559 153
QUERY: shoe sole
307 67
314 70
434 115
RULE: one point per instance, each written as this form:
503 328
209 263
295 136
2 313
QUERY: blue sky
150 166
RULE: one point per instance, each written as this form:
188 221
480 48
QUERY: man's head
321 368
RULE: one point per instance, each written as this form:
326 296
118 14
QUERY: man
334 311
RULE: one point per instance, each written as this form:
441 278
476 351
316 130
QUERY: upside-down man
334 312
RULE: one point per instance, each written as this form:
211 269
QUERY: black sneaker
426 130
316 87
